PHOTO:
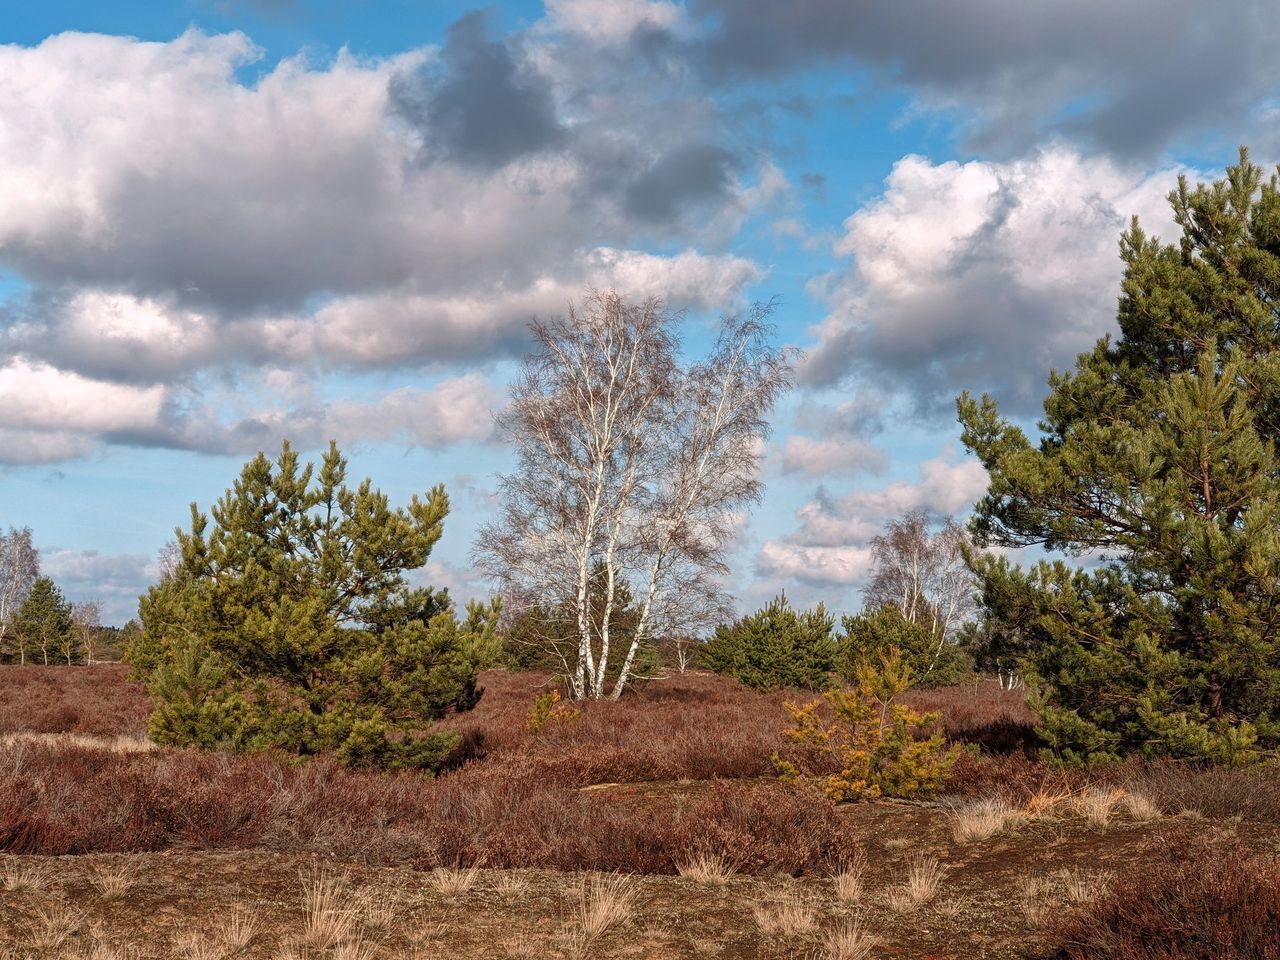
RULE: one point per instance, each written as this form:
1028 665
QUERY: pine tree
1157 464
43 622
288 623
777 646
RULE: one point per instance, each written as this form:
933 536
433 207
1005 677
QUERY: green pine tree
43 623
1157 463
288 623
777 646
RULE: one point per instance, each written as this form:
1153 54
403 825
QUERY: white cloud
832 543
842 455
36 396
982 275
612 21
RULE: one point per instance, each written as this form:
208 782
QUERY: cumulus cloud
981 275
843 444
112 580
181 229
1127 77
832 544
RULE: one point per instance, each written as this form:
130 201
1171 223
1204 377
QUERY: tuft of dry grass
604 902
921 884
789 917
378 911
235 932
19 877
712 869
113 880
327 909
1098 805
511 885
53 924
1034 900
453 881
1140 807
846 880
980 820
848 940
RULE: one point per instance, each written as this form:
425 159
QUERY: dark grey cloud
689 175
1127 77
487 107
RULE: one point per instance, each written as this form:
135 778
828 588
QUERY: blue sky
226 222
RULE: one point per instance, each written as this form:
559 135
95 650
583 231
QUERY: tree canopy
289 622
1157 468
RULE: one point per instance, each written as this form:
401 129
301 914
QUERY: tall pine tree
1157 464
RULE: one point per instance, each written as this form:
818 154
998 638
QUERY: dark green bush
776 646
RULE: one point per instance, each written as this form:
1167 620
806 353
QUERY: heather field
653 827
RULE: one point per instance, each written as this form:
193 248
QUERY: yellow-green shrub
882 748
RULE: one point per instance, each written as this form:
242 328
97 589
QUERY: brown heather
99 700
1187 902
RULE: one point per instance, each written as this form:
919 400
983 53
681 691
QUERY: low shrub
881 748
1187 902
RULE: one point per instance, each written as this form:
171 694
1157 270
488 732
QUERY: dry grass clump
1043 897
846 880
789 916
711 869
19 877
52 924
453 881
235 932
921 884
603 903
197 946
1098 805
848 940
982 819
511 885
113 880
328 908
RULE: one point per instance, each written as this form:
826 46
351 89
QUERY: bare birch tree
19 568
923 574
86 617
632 471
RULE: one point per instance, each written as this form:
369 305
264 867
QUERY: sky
228 222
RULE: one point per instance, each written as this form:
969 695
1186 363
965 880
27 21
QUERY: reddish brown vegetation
95 700
57 799
1191 901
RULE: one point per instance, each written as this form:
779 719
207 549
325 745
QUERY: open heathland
650 827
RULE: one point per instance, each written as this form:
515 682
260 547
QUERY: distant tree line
38 625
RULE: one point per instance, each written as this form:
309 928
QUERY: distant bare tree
631 472
86 617
923 574
19 568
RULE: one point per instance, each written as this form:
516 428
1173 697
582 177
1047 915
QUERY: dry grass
603 903
327 908
921 884
711 869
52 924
113 880
788 916
1098 805
453 881
982 819
19 877
197 946
377 910
511 885
235 932
846 880
1139 807
848 940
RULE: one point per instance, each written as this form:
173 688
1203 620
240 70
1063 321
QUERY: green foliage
44 626
933 661
882 748
1157 458
776 646
548 709
288 623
